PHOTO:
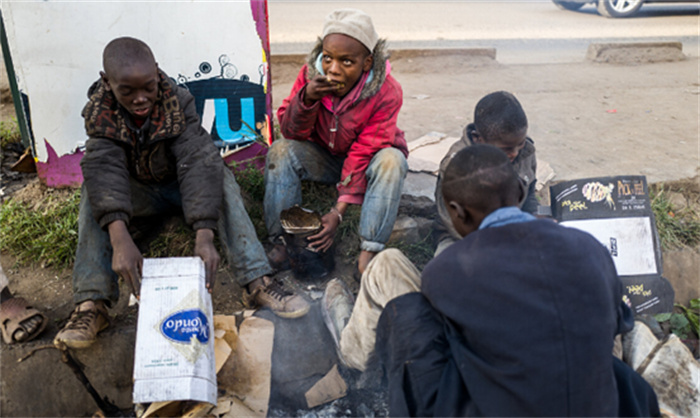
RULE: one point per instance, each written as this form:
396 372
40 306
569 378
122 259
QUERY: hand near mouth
321 86
339 85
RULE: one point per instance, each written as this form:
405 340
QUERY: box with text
174 357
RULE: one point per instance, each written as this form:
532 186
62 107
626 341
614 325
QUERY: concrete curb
635 52
300 59
614 53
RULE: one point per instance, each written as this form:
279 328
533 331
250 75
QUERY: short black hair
125 51
498 113
481 176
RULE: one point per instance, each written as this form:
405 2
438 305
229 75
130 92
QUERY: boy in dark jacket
147 154
499 120
517 318
339 127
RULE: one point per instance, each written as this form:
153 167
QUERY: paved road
525 31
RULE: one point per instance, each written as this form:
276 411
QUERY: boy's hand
330 221
204 248
324 239
318 87
127 260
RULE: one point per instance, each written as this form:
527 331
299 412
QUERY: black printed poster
602 197
617 212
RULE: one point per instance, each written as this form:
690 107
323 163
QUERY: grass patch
48 235
252 183
419 253
9 132
174 239
677 228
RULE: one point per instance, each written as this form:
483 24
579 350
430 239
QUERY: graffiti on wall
232 107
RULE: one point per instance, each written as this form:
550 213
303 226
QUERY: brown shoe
85 322
282 303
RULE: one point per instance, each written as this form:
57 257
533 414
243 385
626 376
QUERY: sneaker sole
293 315
78 344
74 344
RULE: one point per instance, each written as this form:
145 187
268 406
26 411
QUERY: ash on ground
358 403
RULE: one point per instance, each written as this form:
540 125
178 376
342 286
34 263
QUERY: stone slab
635 52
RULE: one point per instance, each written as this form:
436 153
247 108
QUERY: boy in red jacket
339 127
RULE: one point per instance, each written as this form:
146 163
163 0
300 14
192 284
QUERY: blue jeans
93 277
289 162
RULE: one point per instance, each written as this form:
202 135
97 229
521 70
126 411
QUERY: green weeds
677 229
48 235
419 253
685 323
9 132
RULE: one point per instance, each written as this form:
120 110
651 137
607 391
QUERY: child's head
131 73
477 181
500 121
348 41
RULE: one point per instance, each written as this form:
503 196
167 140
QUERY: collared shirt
505 216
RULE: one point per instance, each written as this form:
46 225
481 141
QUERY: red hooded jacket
357 126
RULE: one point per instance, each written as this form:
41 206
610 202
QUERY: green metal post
14 89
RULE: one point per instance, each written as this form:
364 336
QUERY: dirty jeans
93 277
389 275
289 162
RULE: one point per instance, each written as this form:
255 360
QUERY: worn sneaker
282 303
85 322
336 307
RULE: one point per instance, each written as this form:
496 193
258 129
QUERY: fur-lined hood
381 55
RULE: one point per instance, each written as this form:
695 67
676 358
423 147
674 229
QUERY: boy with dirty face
148 155
339 127
499 120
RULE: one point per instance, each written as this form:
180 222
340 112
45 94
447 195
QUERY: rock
637 344
411 230
420 185
668 366
405 231
421 206
673 373
678 201
681 267
544 174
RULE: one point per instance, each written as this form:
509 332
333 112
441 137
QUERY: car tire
567 5
619 8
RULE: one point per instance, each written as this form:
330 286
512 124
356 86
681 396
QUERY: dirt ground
586 119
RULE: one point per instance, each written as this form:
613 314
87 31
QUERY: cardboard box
174 358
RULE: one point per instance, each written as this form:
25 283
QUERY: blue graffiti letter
223 128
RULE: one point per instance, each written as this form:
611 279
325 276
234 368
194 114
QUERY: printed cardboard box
174 358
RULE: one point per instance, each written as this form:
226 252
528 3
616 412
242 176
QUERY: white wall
57 48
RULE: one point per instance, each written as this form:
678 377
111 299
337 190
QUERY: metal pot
307 263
